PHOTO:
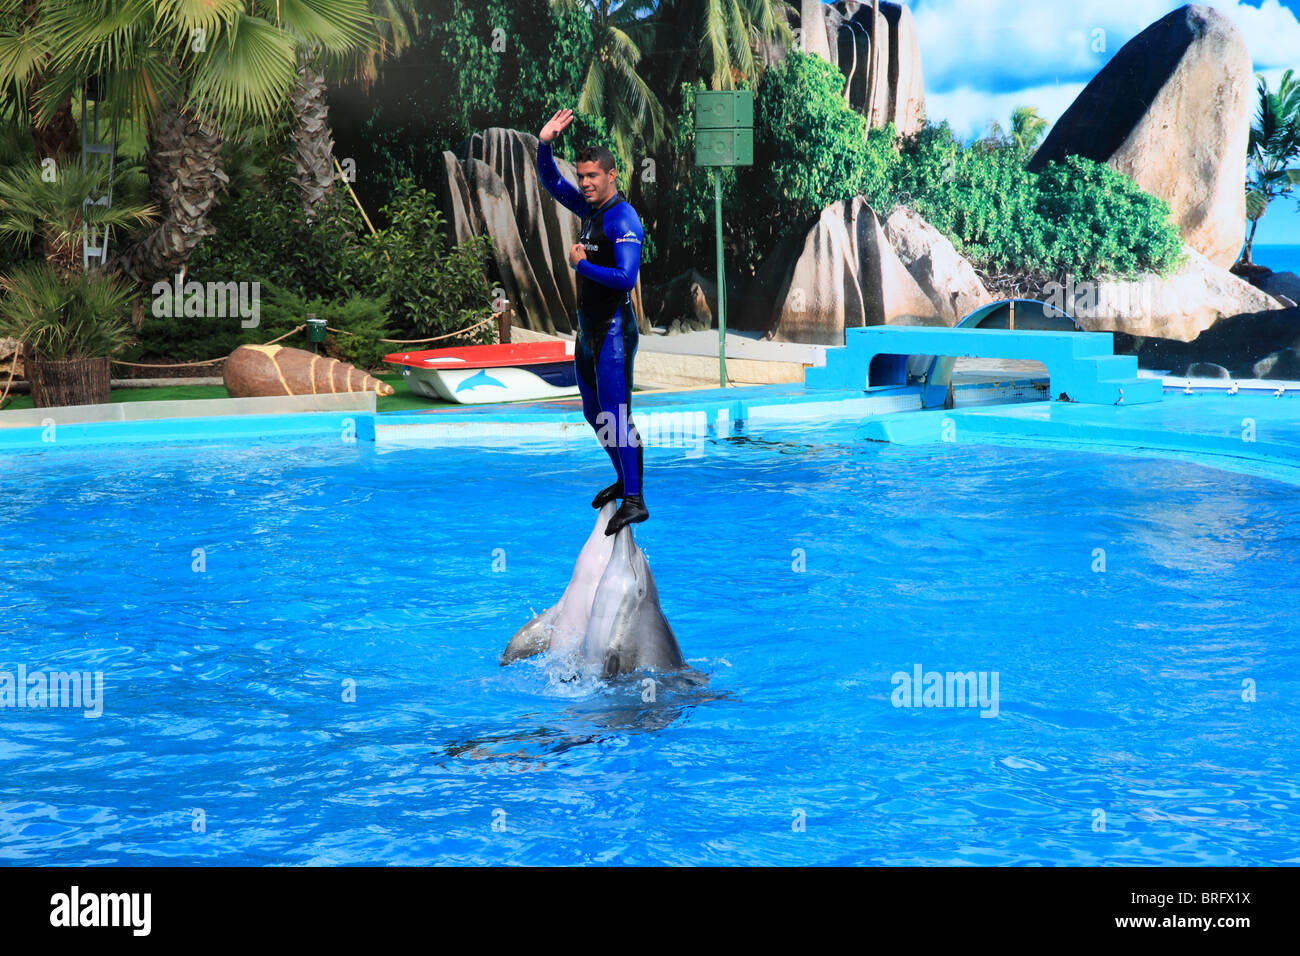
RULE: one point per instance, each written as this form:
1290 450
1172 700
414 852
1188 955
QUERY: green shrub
1077 217
65 316
263 235
364 318
810 150
432 286
1100 222
406 281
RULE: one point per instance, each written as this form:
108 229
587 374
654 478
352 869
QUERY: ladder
97 154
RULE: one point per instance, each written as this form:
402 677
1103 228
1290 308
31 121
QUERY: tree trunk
313 140
185 172
1250 241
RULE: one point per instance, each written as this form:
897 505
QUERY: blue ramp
1082 366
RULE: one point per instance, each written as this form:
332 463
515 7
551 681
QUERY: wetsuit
607 332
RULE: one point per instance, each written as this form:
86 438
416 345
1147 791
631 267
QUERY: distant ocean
1277 258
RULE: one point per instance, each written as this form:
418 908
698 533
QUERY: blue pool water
1121 734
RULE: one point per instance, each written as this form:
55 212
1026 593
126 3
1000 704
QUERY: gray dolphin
561 628
627 630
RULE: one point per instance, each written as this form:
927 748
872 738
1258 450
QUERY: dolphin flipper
561 628
627 630
533 638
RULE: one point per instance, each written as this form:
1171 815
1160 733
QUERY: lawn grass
400 400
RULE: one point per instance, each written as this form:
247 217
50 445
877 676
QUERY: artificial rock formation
842 274
1283 286
256 371
1171 110
847 35
687 303
950 282
1253 345
1179 306
491 188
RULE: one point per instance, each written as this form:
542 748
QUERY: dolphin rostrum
627 631
561 628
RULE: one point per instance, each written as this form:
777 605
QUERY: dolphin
561 628
627 630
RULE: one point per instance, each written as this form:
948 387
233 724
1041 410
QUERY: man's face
597 184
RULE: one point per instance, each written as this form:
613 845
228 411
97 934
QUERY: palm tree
1274 143
1027 127
394 24
53 209
194 72
613 88
716 40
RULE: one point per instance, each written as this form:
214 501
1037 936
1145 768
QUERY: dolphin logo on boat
482 378
609 615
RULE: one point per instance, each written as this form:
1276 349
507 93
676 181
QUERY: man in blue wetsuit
606 258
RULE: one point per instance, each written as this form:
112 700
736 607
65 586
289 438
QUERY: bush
432 287
1100 222
406 281
810 150
263 235
361 321
1077 217
65 315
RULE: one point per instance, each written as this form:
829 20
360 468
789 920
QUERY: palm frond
247 77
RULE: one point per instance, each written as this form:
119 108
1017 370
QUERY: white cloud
981 58
970 111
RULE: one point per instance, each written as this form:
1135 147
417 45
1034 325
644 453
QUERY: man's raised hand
556 125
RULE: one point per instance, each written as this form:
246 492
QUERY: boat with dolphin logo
475 374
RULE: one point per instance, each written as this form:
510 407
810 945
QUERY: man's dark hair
597 154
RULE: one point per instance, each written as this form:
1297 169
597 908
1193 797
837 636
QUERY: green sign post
724 136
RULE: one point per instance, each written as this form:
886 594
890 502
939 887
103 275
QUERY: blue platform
1082 366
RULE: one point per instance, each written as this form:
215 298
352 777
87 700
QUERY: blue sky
982 58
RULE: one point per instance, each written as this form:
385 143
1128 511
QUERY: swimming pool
1126 606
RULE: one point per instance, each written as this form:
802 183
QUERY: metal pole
722 282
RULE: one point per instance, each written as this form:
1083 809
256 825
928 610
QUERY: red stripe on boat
520 354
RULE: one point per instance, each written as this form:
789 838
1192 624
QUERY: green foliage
689 193
1077 217
77 315
433 287
47 204
263 235
362 322
410 271
452 83
810 148
1097 221
1274 144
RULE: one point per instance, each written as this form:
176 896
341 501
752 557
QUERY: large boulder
1171 110
842 274
1178 306
847 35
1283 286
950 282
689 302
491 187
1255 345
